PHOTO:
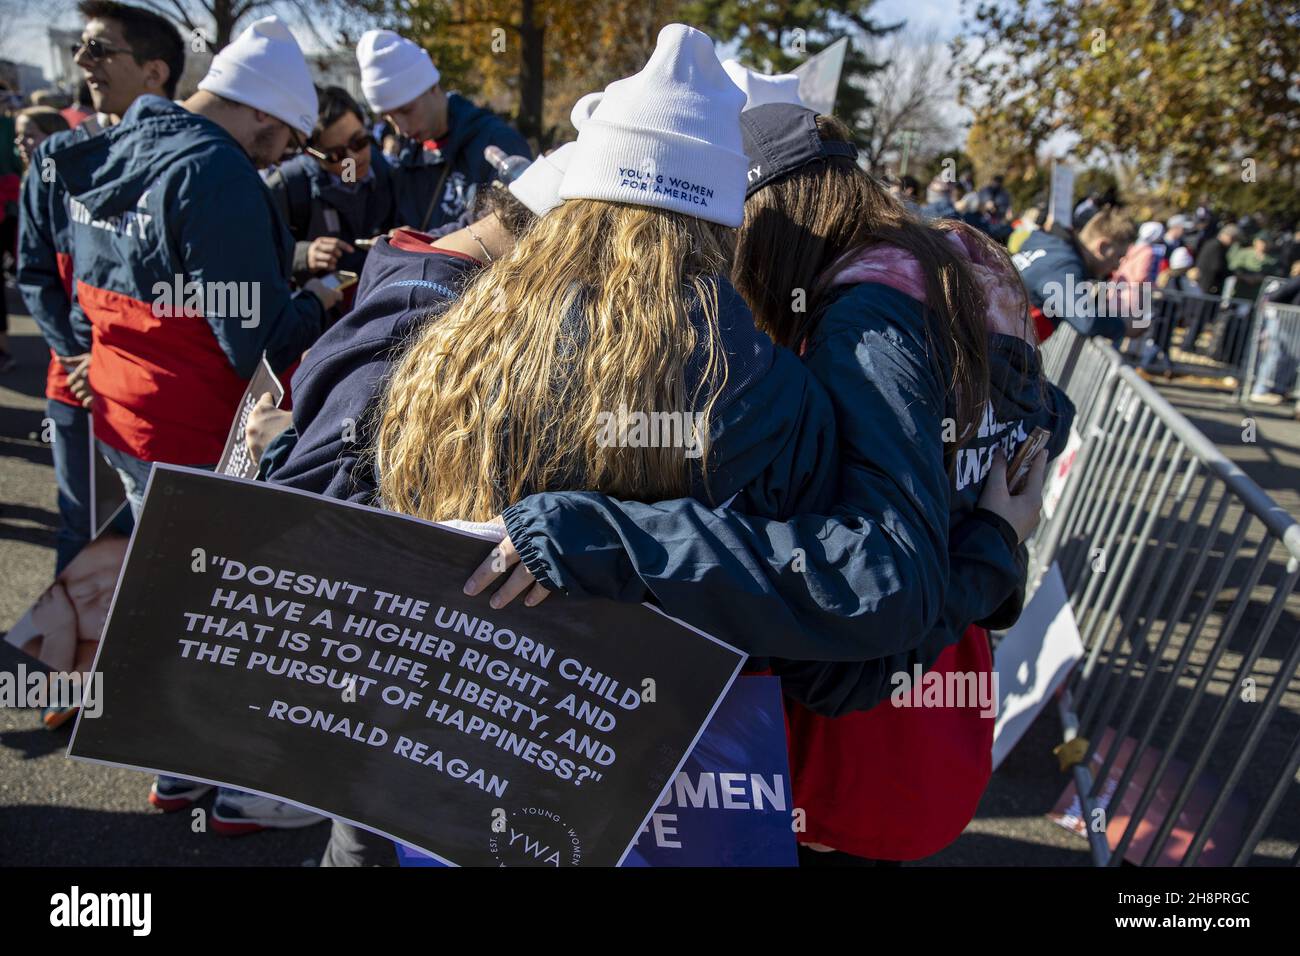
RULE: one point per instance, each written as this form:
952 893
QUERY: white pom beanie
538 186
394 70
265 69
761 89
667 137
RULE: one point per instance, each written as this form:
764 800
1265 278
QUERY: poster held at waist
324 653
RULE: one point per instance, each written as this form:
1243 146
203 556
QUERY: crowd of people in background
396 260
1196 254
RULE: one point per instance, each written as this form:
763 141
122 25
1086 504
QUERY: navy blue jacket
982 587
337 388
1055 276
165 202
417 172
864 579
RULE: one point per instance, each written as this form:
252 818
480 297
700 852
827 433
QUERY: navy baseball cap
781 137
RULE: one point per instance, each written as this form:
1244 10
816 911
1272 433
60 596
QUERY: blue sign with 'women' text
730 803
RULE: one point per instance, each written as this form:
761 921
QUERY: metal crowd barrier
1206 328
1181 573
1273 360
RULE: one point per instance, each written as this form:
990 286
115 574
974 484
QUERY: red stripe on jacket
895 783
164 390
56 379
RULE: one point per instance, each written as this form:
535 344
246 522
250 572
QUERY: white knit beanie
265 69
1151 231
394 70
538 186
761 89
583 109
667 137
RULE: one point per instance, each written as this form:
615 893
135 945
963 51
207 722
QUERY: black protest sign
324 653
235 459
107 496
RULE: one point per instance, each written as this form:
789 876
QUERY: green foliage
1176 92
483 47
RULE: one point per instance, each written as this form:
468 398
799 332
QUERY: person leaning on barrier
912 543
1058 267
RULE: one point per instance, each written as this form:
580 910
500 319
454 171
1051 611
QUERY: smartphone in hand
340 280
1018 467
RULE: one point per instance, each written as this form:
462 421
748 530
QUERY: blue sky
943 15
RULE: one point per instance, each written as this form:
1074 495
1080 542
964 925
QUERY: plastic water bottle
508 168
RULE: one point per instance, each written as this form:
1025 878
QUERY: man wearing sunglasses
338 191
170 199
124 53
151 63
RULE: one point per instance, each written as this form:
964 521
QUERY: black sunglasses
336 154
297 143
96 49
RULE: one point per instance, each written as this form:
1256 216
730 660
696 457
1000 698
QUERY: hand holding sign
238 457
265 423
500 560
79 380
1021 509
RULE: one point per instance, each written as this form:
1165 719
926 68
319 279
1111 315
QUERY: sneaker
55 717
169 794
235 813
1267 398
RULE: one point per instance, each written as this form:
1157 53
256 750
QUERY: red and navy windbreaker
181 264
45 263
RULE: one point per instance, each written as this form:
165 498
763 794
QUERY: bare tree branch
172 8
911 93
